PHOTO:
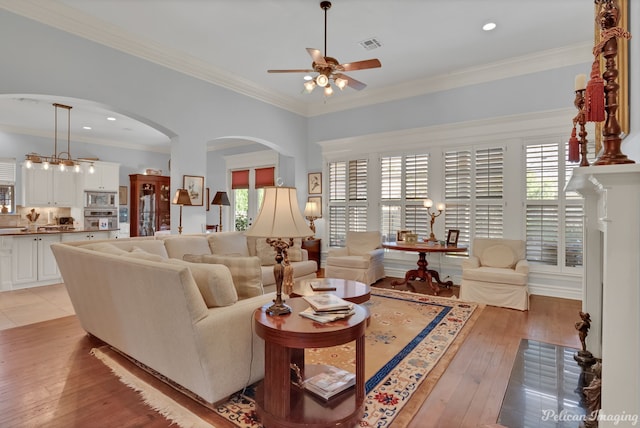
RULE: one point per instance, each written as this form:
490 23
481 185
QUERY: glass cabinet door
147 210
164 208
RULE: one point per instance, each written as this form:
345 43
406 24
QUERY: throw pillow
105 247
224 243
139 253
178 246
265 252
214 282
245 271
498 256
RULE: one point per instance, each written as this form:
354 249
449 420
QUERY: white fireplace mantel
611 282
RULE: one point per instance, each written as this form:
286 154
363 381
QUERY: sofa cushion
245 271
214 282
177 247
149 245
498 256
495 276
228 243
361 243
105 247
139 253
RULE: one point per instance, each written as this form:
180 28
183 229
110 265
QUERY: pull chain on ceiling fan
329 69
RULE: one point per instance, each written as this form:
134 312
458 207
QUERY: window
404 187
7 189
474 184
553 218
247 186
347 199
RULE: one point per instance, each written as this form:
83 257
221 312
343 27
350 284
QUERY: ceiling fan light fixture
322 80
309 86
341 83
328 90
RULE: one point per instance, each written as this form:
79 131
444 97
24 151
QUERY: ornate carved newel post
608 47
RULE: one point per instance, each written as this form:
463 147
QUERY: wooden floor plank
48 378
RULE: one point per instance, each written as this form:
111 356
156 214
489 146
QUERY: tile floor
31 305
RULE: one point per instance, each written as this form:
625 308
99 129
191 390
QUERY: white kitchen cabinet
49 187
32 259
88 235
106 177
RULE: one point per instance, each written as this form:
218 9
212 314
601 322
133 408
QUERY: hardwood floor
48 378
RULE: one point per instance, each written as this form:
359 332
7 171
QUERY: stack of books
325 308
330 382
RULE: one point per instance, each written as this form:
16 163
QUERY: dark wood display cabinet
150 204
314 248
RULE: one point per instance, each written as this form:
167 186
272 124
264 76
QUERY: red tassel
574 147
594 95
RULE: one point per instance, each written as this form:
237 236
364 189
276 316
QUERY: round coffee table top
352 291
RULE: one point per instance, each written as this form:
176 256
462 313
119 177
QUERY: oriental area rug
409 343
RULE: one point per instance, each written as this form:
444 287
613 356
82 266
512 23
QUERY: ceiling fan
329 68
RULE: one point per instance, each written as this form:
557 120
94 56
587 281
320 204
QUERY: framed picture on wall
318 201
452 238
195 186
208 201
315 183
123 197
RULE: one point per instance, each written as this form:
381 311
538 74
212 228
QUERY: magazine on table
324 317
330 382
328 302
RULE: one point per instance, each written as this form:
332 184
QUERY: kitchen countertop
17 231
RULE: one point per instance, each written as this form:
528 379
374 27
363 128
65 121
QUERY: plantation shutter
542 203
337 181
489 186
8 171
347 199
457 193
337 226
358 180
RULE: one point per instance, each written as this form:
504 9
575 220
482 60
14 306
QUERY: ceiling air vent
371 43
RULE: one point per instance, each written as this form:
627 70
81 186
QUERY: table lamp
312 212
221 199
181 198
428 203
279 218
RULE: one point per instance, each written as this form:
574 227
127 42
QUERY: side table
280 403
314 248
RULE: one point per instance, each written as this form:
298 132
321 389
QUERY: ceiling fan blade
291 71
361 65
351 82
317 57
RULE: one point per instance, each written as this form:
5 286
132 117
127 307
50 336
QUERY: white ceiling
234 42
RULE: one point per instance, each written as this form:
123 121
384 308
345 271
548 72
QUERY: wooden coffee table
352 291
279 403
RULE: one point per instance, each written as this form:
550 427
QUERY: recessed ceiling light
111 118
86 127
489 26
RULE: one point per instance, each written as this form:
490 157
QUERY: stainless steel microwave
99 199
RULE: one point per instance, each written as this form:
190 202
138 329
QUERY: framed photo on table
315 183
195 186
452 237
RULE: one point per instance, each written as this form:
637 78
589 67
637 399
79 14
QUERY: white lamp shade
279 216
311 210
428 203
440 206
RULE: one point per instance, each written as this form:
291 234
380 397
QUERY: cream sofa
190 322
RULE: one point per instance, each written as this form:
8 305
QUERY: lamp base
279 308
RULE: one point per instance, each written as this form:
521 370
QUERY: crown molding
473 132
68 19
512 67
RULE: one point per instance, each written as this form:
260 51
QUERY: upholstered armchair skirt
496 274
361 260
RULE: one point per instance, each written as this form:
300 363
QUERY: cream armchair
361 260
496 273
